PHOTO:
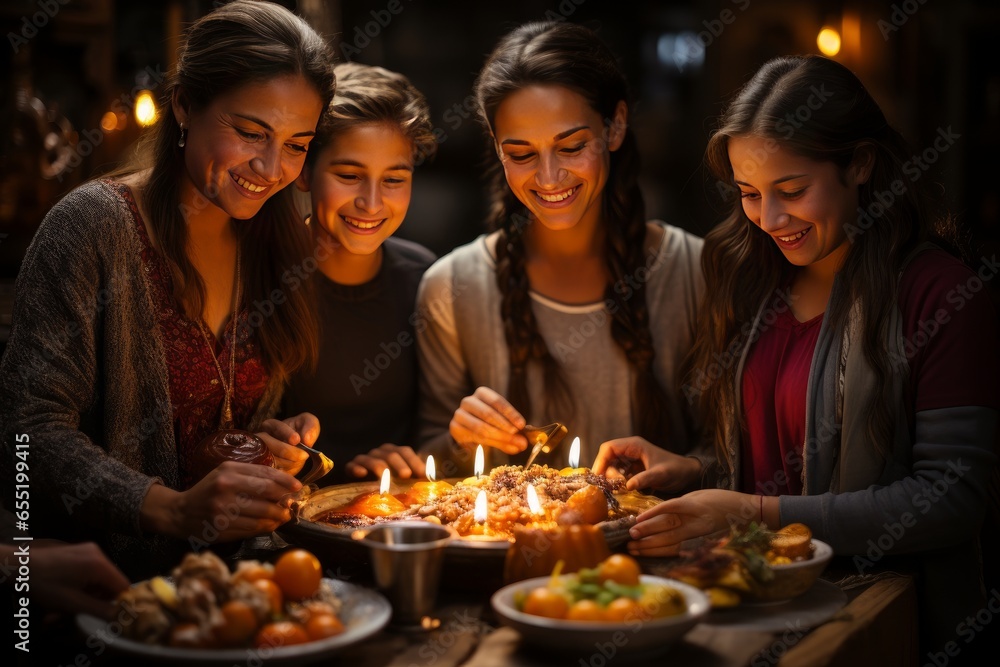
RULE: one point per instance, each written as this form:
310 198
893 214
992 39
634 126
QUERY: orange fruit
282 633
321 626
585 610
298 574
274 595
239 624
623 609
620 569
546 602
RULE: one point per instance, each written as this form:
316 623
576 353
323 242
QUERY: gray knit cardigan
84 382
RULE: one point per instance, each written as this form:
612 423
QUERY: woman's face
249 143
556 152
361 184
802 204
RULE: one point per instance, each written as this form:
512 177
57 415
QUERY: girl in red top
844 366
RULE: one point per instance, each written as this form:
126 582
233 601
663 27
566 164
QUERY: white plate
363 612
581 638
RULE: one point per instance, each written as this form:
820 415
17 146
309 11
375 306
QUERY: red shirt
950 329
196 392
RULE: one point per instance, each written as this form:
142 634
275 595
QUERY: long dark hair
573 57
240 43
817 108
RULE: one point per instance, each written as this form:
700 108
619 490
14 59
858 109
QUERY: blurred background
80 83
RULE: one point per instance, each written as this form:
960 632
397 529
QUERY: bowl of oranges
610 609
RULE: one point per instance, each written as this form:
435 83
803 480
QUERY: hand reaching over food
250 497
282 436
486 418
645 465
661 530
401 461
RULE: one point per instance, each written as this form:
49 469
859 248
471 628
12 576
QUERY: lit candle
479 514
384 486
421 492
574 460
533 504
477 469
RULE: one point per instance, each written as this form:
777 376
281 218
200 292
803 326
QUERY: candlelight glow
145 109
828 42
384 486
480 461
480 513
533 504
431 470
574 453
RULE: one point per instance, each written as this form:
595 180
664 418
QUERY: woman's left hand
661 530
281 437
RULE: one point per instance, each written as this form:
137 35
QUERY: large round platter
306 528
363 612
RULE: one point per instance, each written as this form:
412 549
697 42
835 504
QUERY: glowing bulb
109 121
480 512
574 453
384 486
431 471
533 504
145 109
480 461
828 42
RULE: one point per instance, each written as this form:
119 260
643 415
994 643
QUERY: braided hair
573 57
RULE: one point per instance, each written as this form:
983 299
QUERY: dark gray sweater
84 377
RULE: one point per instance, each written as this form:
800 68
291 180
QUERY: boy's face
360 185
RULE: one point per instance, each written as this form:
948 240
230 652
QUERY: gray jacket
927 499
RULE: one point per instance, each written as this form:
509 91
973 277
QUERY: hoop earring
182 141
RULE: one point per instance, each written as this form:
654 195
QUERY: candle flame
480 461
480 513
533 504
574 453
431 470
384 486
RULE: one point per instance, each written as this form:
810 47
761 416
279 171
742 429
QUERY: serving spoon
543 439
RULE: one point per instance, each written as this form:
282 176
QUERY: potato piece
794 541
721 598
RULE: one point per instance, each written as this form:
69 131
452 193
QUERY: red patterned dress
196 392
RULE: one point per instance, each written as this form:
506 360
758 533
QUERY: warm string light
145 109
828 42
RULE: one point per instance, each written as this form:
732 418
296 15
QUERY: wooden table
877 627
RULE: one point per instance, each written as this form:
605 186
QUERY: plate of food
568 496
612 603
752 565
285 613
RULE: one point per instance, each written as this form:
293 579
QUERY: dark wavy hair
742 265
240 43
573 57
369 94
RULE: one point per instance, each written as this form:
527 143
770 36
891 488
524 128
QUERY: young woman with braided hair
575 309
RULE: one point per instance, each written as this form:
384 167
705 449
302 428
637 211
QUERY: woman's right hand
487 419
234 501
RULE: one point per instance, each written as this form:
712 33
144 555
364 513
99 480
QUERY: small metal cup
406 561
